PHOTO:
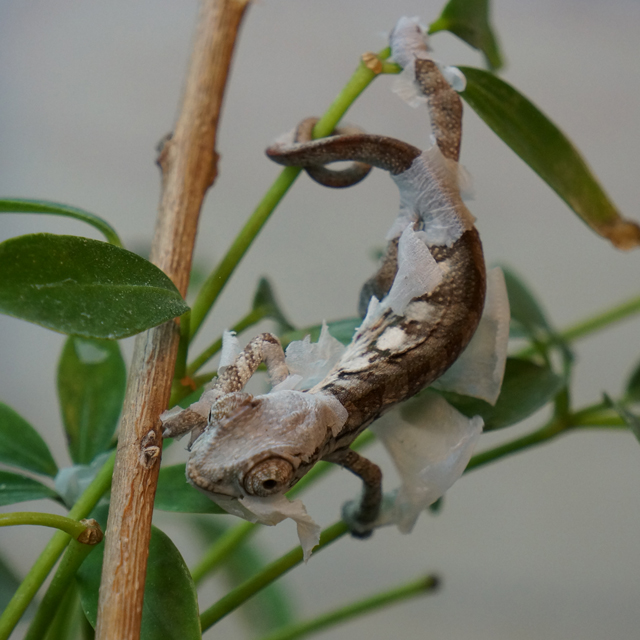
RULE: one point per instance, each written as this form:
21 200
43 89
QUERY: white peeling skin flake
478 372
429 192
430 444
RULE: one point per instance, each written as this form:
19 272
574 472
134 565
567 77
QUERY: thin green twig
591 325
422 586
73 527
74 556
215 283
271 572
222 549
49 556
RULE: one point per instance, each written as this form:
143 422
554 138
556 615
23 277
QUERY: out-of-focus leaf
528 320
469 20
341 330
17 488
170 610
632 391
91 383
9 583
527 387
84 287
548 152
19 205
271 607
21 445
174 493
525 309
631 419
266 300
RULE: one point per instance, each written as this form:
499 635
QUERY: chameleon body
421 310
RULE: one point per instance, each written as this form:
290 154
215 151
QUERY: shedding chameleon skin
244 445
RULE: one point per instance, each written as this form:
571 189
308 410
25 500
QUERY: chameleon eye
268 477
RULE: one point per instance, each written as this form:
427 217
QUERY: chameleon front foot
352 516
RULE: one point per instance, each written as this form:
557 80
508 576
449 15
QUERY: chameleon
421 310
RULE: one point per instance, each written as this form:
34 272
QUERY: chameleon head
260 445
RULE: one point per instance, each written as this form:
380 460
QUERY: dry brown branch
188 161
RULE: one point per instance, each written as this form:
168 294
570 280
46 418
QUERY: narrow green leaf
342 330
631 419
174 493
265 299
91 382
548 152
84 287
527 387
270 608
19 205
170 610
632 392
525 309
17 488
528 320
21 445
469 20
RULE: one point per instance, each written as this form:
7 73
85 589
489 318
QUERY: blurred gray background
541 545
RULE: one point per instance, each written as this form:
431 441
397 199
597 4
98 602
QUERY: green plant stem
550 430
20 205
180 369
222 549
271 572
49 556
68 525
74 556
592 324
215 283
414 588
253 317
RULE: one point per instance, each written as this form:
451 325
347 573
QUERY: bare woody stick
188 161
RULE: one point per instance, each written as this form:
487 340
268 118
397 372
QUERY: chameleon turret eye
268 477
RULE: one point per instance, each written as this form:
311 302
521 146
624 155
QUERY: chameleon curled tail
421 310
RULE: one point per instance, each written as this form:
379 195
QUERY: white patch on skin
391 339
421 311
356 364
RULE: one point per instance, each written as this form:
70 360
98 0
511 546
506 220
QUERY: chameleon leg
361 514
263 348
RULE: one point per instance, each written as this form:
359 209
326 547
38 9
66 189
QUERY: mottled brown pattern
444 105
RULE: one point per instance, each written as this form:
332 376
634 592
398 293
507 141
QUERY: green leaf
271 607
84 287
527 387
21 445
469 20
525 309
341 330
632 393
170 610
19 205
174 493
630 419
91 383
528 320
266 300
548 152
16 488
